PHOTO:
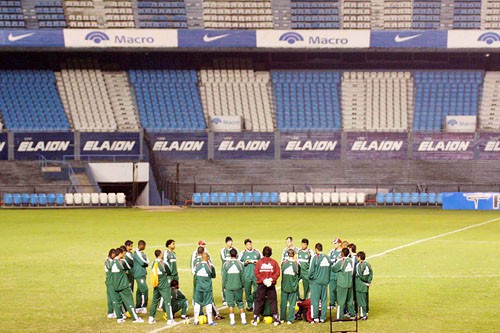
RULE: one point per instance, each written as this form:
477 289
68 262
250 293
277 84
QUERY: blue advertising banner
409 39
4 149
303 146
443 146
366 146
471 200
183 146
109 144
489 146
31 38
251 145
216 38
52 146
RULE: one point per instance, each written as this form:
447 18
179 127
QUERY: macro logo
291 37
452 122
216 121
97 36
489 38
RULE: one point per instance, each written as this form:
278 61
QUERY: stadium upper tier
86 95
252 14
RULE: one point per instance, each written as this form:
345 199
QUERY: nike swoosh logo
208 39
12 38
398 39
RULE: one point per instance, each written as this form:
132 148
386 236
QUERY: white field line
485 276
432 238
371 257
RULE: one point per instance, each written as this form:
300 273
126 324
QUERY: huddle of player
344 272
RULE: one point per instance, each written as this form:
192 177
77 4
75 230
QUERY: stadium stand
96 99
307 99
83 14
356 14
376 101
161 14
426 14
489 114
232 87
490 14
84 95
119 14
44 14
64 199
240 14
168 98
442 93
467 14
397 14
29 100
314 14
11 14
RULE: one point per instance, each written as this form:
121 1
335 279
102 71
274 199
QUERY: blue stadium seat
432 198
214 198
59 199
380 198
398 198
389 198
25 198
265 198
240 198
257 198
248 198
223 198
231 198
17 199
423 198
42 199
7 199
439 198
33 199
415 197
51 199
205 198
197 198
275 198
406 198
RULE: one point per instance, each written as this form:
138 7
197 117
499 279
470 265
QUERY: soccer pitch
53 276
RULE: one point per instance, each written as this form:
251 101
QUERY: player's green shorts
234 297
203 298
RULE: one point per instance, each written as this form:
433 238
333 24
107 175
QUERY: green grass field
53 278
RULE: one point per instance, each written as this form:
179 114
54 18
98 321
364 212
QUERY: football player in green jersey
129 258
362 283
232 284
225 256
249 256
141 262
319 277
333 256
290 272
109 287
344 268
203 293
304 258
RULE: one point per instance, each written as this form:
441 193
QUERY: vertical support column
10 145
277 145
343 145
210 145
410 146
141 144
77 145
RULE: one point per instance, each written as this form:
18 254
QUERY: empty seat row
60 199
239 198
322 198
406 198
94 199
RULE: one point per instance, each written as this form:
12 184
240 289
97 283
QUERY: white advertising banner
316 39
463 124
226 124
473 39
120 38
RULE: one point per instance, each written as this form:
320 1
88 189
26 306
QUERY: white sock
231 317
196 312
209 313
243 318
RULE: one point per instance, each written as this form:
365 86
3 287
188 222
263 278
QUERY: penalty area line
432 238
